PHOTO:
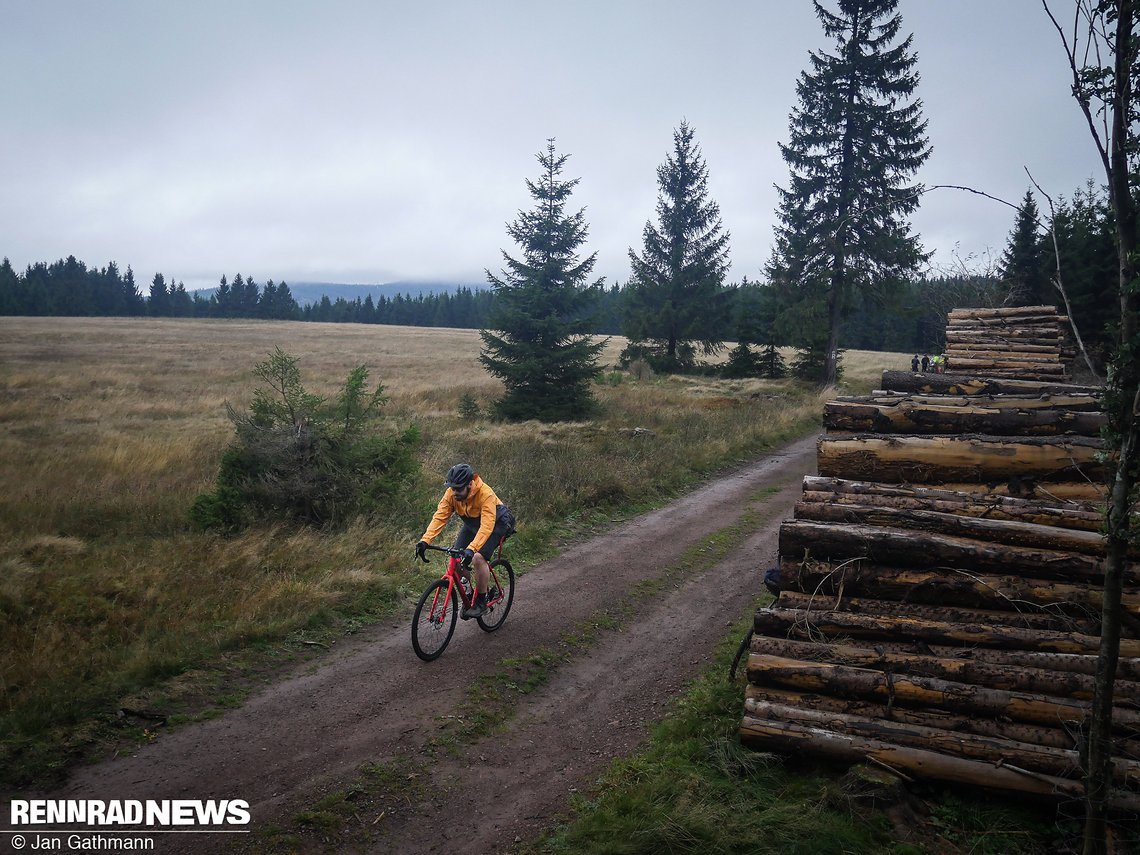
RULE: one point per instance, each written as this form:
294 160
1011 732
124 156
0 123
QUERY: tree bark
909 418
1127 669
883 398
818 625
957 384
958 315
911 691
915 549
1053 737
995 531
942 459
947 586
944 612
1063 763
990 675
1026 488
795 739
1068 515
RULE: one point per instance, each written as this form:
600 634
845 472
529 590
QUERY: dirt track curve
372 701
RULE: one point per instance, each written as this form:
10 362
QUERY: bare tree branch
1078 88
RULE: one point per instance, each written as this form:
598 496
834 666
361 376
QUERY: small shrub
770 363
299 458
469 407
742 362
640 369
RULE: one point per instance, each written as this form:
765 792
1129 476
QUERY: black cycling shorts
467 534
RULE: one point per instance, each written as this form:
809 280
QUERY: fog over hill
312 292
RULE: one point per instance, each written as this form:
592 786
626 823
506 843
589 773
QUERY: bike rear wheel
434 621
503 579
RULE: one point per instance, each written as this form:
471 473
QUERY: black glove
468 554
421 551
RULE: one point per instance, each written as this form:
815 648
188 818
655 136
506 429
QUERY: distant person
487 522
925 363
914 363
945 363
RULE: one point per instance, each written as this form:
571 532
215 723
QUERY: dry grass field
110 427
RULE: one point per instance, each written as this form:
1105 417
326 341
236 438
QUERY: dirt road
371 701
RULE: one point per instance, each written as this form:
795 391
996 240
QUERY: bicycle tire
432 633
502 576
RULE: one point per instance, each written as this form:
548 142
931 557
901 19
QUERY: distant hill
312 292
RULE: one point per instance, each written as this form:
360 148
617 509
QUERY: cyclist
486 522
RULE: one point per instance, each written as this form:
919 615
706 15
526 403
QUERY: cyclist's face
461 492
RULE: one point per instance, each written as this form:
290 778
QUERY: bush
299 458
469 407
742 362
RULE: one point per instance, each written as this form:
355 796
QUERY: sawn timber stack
1027 342
940 591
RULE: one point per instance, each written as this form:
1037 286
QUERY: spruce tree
537 337
676 303
1025 263
855 138
158 306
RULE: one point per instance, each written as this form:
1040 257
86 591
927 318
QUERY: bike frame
453 574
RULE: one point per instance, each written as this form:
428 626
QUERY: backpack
505 518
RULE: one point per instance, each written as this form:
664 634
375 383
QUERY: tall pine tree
855 139
1025 262
537 338
676 303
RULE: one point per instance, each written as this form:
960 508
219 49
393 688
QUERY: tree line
68 287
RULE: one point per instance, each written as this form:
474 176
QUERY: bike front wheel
434 621
501 596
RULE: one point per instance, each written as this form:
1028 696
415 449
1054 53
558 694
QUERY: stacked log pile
940 589
1028 342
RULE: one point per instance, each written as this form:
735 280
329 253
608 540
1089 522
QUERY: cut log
820 626
1064 763
787 738
1011 532
976 457
1075 403
948 613
1038 363
1069 515
907 418
1029 488
968 344
918 550
955 384
991 675
1054 737
958 315
912 691
1127 669
1040 321
948 586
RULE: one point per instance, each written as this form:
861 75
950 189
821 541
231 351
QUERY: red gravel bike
434 620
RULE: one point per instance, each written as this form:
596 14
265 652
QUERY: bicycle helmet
459 475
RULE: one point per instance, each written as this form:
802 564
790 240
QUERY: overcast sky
353 141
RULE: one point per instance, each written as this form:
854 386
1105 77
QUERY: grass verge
696 789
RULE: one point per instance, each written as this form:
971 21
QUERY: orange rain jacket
478 509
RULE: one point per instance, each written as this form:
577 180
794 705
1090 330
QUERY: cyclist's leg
486 555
